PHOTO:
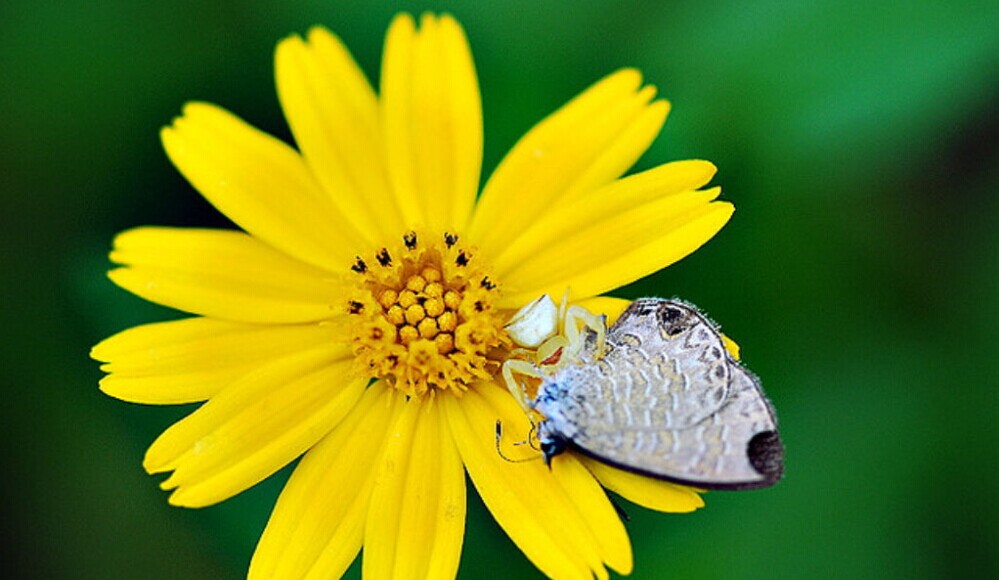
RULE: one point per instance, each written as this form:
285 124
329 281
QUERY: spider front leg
517 389
578 347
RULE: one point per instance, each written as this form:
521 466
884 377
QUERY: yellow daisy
358 317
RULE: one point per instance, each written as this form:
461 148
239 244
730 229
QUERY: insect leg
516 388
578 318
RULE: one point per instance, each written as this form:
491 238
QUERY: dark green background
858 141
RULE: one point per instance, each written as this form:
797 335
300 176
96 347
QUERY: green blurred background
858 141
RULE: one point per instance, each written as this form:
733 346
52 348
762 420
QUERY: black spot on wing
673 319
766 455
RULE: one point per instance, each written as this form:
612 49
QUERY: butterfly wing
666 400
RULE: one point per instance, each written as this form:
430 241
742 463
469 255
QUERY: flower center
421 316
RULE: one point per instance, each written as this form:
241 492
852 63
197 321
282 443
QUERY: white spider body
550 338
535 323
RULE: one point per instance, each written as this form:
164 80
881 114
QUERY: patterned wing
670 351
667 401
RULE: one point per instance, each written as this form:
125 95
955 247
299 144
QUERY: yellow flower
359 318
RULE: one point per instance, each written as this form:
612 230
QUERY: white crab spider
549 337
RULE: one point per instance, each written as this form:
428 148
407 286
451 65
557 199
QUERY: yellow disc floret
421 316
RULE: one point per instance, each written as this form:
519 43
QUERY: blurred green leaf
858 141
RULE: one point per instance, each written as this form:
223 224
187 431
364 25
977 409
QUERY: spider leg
516 388
576 319
551 352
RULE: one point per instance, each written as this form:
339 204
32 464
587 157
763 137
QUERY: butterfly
657 393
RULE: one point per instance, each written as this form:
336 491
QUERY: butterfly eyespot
673 320
670 314
766 454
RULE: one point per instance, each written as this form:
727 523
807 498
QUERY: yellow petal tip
316 31
151 467
166 131
286 44
194 108
105 385
725 206
117 275
98 352
731 346
154 462
708 168
628 75
168 484
402 19
182 497
660 108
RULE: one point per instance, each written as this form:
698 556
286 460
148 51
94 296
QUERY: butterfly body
662 397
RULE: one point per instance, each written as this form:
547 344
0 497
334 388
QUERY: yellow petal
731 346
609 251
190 360
417 516
586 144
629 195
222 274
333 113
603 520
526 498
261 184
255 426
432 121
317 526
645 491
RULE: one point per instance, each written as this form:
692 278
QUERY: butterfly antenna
532 436
499 451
